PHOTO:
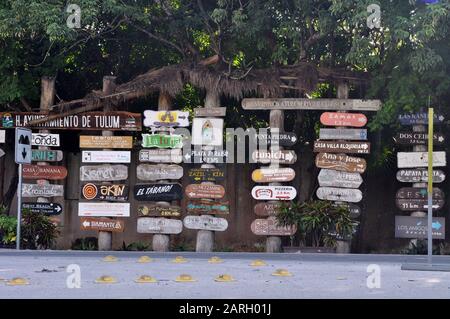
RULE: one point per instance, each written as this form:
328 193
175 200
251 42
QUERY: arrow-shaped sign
436 225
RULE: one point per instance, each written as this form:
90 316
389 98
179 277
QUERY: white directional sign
23 146
420 159
343 134
104 209
106 157
332 178
44 139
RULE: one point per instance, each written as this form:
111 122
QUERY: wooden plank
207 131
104 209
49 209
343 119
341 162
99 141
103 173
159 210
162 141
106 157
341 147
205 222
37 190
148 172
44 172
158 192
339 194
417 138
110 192
343 134
102 224
46 156
161 156
198 175
412 205
281 157
149 225
420 118
274 192
311 104
269 175
419 176
267 209
207 206
210 191
417 227
418 193
166 118
270 227
210 111
420 159
332 178
45 139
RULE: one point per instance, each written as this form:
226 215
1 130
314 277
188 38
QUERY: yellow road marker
144 259
258 263
224 278
106 280
17 282
110 258
215 260
282 273
179 260
185 278
144 279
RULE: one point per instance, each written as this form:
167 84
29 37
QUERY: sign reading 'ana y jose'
166 118
341 162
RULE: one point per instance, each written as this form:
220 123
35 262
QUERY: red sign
48 172
343 119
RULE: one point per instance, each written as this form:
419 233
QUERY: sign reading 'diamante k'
202 206
339 194
342 147
148 172
417 138
161 156
103 173
274 192
158 192
38 190
112 193
162 141
420 159
419 118
166 118
44 139
332 178
102 224
417 227
269 175
44 172
270 227
149 225
198 175
159 210
205 222
311 104
419 176
112 121
209 191
99 141
49 209
46 156
281 156
342 134
104 209
343 119
106 157
341 162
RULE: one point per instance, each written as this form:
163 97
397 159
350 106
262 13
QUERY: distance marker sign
49 209
342 147
419 176
419 118
418 138
341 162
274 192
343 119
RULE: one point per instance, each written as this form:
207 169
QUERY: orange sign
343 119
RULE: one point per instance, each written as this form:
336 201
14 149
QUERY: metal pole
19 207
430 184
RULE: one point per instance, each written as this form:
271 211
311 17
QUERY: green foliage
87 243
8 226
37 231
136 246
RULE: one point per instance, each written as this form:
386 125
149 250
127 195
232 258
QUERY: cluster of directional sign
340 174
413 169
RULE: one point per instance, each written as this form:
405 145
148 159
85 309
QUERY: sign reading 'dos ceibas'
149 225
343 119
112 193
99 141
161 156
147 172
44 139
103 173
158 192
418 138
341 162
44 172
106 156
104 209
166 118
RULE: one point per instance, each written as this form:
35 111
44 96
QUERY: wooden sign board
420 159
215 156
269 175
104 209
102 224
158 192
37 190
159 210
106 157
99 141
209 191
281 157
46 156
342 134
419 176
418 193
418 138
44 139
162 141
341 162
198 175
166 118
419 118
103 173
332 178
111 121
49 209
417 227
205 222
418 204
207 131
112 193
210 112
47 172
268 209
274 192
342 147
287 139
149 225
161 156
311 104
148 172
339 194
343 119
208 207
270 227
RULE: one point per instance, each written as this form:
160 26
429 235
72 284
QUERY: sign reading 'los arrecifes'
113 121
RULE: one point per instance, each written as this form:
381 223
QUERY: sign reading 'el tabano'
106 156
158 192
418 204
342 147
339 194
341 162
419 118
161 156
103 173
49 209
342 134
418 193
38 190
343 119
417 227
275 137
159 210
419 176
44 172
104 209
102 224
210 191
44 139
270 227
311 104
269 209
99 141
417 138
281 156
332 178
112 193
166 118
269 175
148 172
199 175
205 222
162 141
149 225
420 159
46 156
274 192
202 206
112 121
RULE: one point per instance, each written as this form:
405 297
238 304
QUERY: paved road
314 276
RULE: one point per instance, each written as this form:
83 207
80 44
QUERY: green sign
46 156
162 141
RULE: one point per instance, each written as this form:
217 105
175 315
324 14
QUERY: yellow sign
121 142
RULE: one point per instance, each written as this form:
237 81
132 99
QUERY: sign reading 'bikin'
420 159
106 156
104 209
341 162
343 119
44 172
44 139
342 147
98 141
